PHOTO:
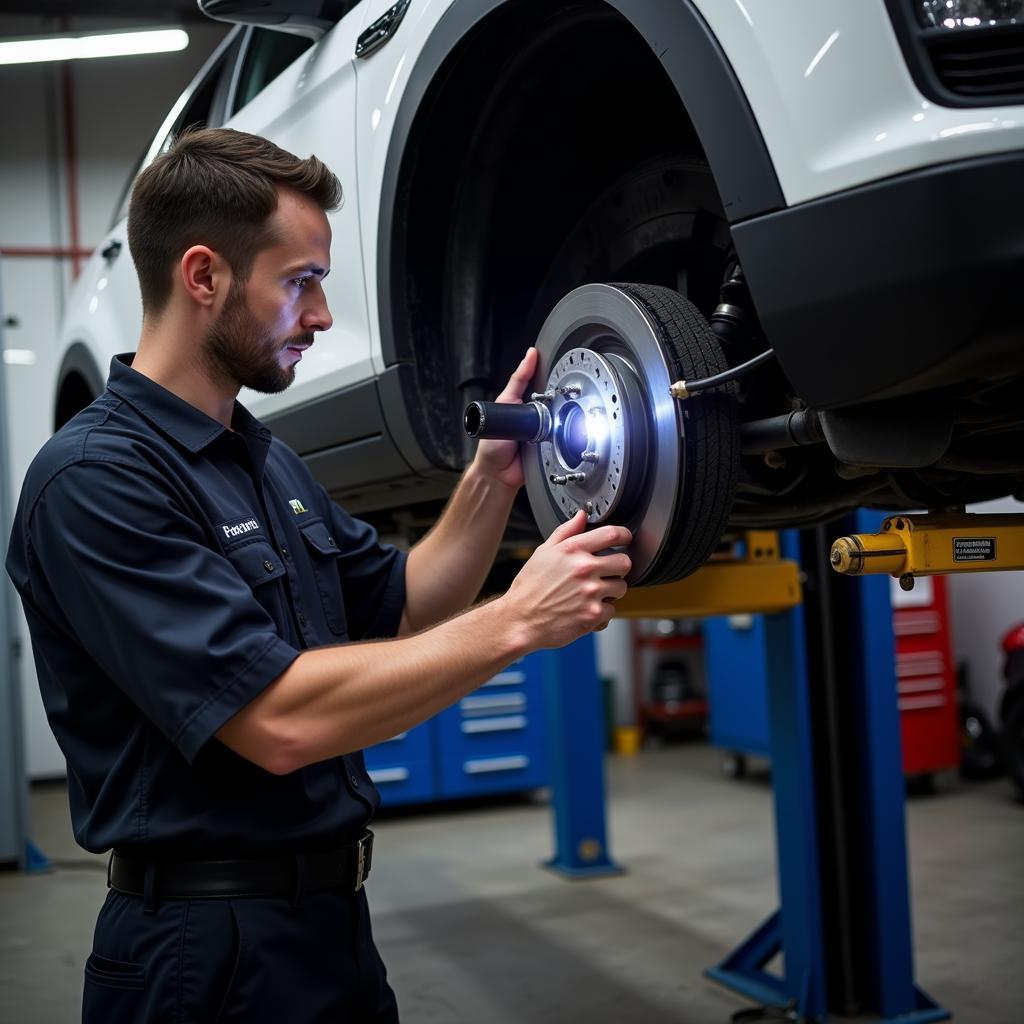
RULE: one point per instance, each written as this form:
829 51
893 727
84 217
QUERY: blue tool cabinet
736 669
491 741
402 768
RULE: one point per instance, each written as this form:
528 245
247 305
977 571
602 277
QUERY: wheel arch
448 81
79 383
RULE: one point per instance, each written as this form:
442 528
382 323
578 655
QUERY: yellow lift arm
933 544
759 581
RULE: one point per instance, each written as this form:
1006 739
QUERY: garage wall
984 606
118 104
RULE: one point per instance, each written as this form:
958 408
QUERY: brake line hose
685 388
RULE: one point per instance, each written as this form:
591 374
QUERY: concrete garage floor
474 933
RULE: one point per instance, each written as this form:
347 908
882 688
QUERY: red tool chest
925 677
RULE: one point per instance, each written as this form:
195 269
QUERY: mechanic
194 600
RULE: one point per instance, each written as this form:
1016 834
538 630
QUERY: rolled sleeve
169 620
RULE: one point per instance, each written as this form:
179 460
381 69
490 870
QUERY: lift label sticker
974 549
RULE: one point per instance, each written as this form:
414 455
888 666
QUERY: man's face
268 320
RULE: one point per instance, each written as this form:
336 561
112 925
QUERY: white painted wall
119 103
983 607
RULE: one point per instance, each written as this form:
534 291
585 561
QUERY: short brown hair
215 187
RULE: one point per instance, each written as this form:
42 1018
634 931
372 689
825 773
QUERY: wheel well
72 397
536 113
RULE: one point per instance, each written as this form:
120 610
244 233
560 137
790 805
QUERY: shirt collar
183 422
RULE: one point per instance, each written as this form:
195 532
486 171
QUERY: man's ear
205 275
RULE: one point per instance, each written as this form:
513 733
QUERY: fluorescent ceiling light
94 44
19 357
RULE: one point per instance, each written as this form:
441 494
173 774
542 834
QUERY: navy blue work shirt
170 570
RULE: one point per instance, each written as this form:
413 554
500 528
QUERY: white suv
838 180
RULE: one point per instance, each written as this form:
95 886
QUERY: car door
308 107
104 314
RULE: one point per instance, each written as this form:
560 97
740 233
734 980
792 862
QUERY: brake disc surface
616 447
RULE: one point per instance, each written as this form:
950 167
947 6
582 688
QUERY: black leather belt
345 867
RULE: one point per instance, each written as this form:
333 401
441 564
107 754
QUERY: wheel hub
589 451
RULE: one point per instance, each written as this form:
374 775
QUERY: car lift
844 924
911 546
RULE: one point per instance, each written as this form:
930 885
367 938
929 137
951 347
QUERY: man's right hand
567 589
333 700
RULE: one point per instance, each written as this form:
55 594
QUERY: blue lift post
844 920
843 925
796 927
574 707
882 852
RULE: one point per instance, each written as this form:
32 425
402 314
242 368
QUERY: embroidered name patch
239 528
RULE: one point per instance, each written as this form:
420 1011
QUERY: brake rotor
615 450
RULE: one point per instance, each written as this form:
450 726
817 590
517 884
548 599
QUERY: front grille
974 66
978 63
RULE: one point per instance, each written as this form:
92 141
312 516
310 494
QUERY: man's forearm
338 699
334 700
446 569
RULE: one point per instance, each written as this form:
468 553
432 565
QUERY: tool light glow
597 428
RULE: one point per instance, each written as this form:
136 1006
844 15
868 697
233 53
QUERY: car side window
200 105
268 54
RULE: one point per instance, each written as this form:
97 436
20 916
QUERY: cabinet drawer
414 745
501 718
500 773
489 735
405 782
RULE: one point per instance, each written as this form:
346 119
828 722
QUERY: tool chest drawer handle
505 702
920 684
507 723
507 679
915 623
919 703
920 663
496 764
388 775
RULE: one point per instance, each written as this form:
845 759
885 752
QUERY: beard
238 349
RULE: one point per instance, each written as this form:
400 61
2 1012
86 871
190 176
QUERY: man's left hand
500 459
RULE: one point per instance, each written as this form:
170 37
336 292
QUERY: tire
979 748
675 481
661 223
1013 745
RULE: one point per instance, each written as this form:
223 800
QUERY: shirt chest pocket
323 553
259 565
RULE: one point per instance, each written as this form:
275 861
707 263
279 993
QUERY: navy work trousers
223 961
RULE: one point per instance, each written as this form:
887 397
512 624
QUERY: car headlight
963 53
964 14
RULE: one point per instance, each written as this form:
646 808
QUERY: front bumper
902 285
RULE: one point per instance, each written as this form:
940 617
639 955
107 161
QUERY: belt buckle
360 862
